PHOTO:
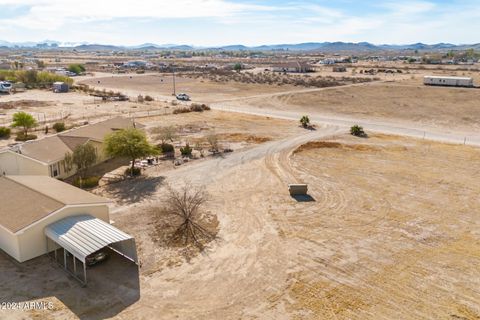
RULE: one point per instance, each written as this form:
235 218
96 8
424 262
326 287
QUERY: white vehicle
448 81
183 96
5 86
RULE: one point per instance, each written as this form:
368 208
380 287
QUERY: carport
80 236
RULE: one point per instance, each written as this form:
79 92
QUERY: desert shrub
140 98
196 107
149 98
166 148
305 121
205 107
136 172
186 151
181 110
76 68
357 131
86 183
23 137
5 132
59 127
34 79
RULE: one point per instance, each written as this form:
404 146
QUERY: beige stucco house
30 203
46 156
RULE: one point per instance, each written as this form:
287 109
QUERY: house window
54 170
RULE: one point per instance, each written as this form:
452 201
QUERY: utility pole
173 71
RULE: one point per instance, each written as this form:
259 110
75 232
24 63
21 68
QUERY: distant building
448 81
135 64
293 67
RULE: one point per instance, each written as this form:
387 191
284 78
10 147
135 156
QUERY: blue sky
249 22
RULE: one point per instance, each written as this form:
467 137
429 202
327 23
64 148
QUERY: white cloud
217 22
50 14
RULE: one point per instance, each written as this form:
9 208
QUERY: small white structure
448 81
59 87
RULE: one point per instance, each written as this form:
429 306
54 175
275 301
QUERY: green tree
357 131
24 120
130 143
59 126
305 121
76 68
237 67
84 156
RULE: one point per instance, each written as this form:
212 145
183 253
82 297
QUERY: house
30 203
41 215
59 87
293 67
46 156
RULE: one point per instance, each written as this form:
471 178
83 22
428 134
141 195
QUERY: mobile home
448 81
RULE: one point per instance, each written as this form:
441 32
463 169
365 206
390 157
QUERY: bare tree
166 134
186 203
198 147
213 142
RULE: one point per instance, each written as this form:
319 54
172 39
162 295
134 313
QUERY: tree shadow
303 198
112 286
135 189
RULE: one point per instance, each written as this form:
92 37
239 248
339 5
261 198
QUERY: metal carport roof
83 235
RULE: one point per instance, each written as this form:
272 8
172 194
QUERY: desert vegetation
32 78
278 79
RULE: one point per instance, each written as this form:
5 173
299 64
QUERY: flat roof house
39 214
46 156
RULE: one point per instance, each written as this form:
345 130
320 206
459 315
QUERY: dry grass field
450 108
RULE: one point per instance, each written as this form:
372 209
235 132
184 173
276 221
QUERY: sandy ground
390 231
160 86
427 106
391 234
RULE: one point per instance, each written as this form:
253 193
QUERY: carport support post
85 273
74 265
65 258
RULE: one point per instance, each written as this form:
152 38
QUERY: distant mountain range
308 46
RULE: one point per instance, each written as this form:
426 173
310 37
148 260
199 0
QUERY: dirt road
366 248
393 127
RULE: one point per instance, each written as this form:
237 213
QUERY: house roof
27 199
54 148
48 149
99 130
